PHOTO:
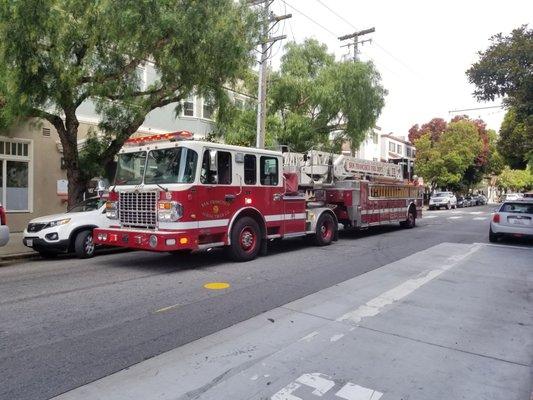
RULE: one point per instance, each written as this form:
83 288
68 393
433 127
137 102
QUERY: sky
421 49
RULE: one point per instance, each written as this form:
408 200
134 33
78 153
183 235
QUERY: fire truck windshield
130 168
172 165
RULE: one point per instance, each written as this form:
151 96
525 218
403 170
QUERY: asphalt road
67 322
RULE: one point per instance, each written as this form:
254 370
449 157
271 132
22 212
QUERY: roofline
388 135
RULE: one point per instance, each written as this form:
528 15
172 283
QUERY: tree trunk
69 140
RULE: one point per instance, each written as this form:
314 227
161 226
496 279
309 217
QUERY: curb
18 256
34 255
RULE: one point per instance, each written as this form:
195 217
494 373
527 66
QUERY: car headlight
57 222
111 209
169 211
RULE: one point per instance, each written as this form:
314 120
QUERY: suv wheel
84 245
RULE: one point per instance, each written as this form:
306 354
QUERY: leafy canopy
311 96
506 69
443 163
515 179
57 54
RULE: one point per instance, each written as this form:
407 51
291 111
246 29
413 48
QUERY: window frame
255 169
261 166
192 99
28 159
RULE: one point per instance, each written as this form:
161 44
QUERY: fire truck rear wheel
245 239
410 222
325 230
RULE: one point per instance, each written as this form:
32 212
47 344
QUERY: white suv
443 199
67 232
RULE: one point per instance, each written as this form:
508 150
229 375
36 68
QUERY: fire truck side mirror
213 160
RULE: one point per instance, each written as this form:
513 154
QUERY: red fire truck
175 194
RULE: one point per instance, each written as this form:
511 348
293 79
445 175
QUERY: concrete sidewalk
453 321
14 249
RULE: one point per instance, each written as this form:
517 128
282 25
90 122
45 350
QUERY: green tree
56 54
516 140
444 163
312 95
515 179
505 69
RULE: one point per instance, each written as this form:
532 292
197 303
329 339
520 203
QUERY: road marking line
480 218
334 338
322 384
429 216
216 285
376 305
351 391
308 338
167 308
476 212
458 217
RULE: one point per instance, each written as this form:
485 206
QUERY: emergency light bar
172 136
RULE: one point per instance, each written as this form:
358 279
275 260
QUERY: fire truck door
217 193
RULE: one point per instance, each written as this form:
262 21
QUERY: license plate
29 242
516 221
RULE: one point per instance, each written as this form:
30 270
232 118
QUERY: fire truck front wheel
245 240
325 230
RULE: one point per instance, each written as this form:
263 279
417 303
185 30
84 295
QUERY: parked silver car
443 199
513 218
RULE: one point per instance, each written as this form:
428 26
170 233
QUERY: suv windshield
173 165
130 168
442 194
88 205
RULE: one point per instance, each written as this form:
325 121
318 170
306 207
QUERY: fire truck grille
138 210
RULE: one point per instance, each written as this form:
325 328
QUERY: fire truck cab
172 194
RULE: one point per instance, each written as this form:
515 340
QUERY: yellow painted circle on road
216 285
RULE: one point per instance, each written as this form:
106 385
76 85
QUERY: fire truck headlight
111 209
169 211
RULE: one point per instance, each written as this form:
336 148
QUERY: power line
474 109
310 19
337 15
376 43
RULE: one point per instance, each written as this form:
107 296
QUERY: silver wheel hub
89 245
247 239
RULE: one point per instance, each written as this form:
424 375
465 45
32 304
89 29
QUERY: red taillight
496 218
3 219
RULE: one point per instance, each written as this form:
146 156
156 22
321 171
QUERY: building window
208 108
413 153
399 149
188 107
375 138
15 174
392 147
408 152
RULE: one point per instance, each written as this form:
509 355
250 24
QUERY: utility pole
268 22
355 36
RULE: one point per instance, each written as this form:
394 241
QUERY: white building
370 148
396 148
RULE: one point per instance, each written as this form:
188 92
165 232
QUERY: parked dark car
461 202
469 201
482 199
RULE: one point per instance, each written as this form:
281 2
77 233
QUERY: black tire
84 245
47 254
493 238
245 240
410 222
325 230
